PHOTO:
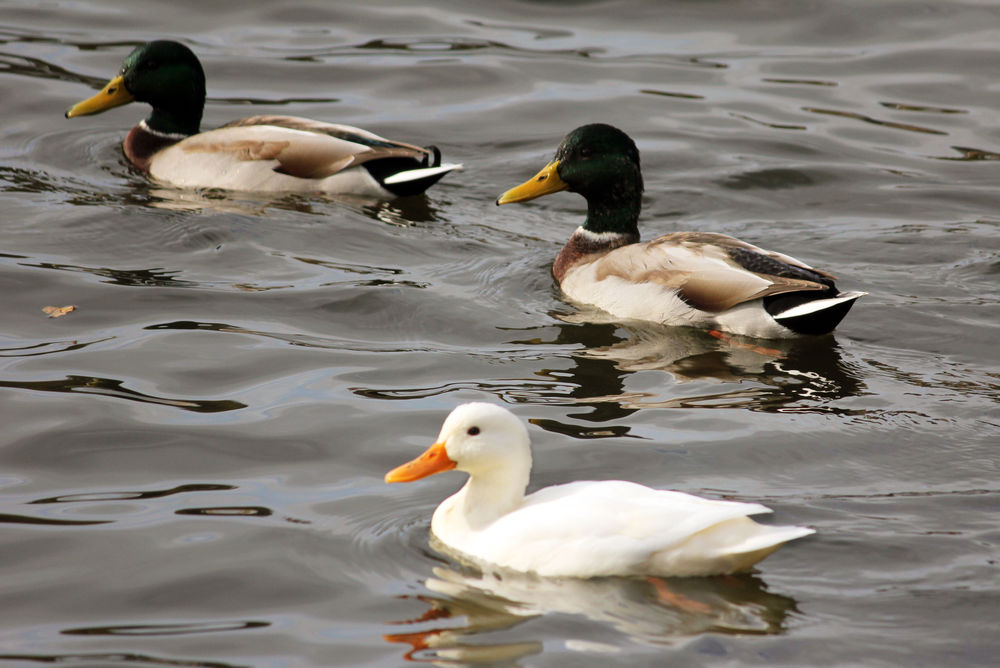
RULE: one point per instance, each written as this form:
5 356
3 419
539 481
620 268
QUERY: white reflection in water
651 611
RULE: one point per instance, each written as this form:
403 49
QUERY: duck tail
813 313
421 173
433 157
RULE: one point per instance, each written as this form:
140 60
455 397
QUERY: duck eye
586 152
473 431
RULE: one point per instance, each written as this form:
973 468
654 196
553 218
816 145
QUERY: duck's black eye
586 152
473 431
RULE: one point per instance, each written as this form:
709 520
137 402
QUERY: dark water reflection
110 387
191 460
90 497
114 659
788 376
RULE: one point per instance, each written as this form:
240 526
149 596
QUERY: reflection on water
52 516
48 347
805 375
306 340
875 121
228 511
654 611
91 497
115 659
185 628
800 375
972 154
156 276
401 212
39 69
110 387
11 518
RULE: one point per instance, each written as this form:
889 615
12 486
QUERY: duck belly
176 167
656 302
625 299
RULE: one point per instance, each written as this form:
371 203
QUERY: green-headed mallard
700 279
261 153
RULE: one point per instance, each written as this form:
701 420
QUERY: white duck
580 529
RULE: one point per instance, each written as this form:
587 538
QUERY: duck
700 279
581 529
268 153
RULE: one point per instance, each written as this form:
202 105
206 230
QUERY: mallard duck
580 529
261 153
701 279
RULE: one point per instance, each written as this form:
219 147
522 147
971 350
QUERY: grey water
191 461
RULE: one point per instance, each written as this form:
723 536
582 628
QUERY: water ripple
49 347
110 387
153 277
875 121
106 659
9 518
175 629
92 497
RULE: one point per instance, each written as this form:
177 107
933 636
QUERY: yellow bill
544 182
114 94
434 460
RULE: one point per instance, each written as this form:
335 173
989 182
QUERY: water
191 461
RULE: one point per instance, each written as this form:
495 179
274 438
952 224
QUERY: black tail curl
435 153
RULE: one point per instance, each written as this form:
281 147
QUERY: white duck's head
477 438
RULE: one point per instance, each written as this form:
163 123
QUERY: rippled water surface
191 461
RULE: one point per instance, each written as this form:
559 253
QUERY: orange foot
417 641
675 600
760 350
434 612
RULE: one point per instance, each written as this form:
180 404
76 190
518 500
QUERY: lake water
191 461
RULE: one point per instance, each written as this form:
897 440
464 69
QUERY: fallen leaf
57 311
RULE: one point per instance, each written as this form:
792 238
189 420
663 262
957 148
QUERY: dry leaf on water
57 311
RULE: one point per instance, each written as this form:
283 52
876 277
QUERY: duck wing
300 147
711 272
588 529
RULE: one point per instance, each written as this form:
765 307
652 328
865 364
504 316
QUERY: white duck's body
581 529
613 527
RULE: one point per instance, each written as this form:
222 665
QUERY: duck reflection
652 611
708 370
788 375
401 212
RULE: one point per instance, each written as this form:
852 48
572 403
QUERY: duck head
600 162
477 438
164 74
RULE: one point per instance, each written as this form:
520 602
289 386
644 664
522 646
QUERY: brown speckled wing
305 153
698 266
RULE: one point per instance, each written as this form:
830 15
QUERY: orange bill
434 460
114 94
544 182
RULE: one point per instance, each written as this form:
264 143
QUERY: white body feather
591 529
582 529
